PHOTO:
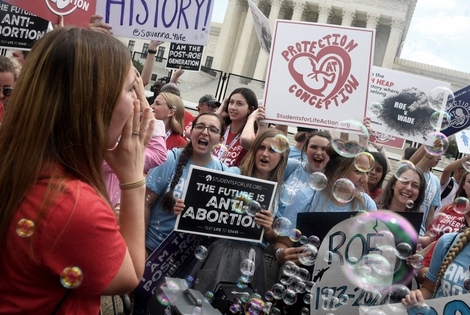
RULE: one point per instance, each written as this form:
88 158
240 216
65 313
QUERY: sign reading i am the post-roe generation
215 204
188 57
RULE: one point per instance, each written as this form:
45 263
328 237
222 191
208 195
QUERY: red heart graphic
323 74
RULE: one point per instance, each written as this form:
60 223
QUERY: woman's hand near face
127 158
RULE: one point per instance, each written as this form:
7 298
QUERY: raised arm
150 61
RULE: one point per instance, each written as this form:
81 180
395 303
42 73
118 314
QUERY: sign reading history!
187 56
318 75
19 28
217 204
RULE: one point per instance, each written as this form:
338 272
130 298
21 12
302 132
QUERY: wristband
151 51
132 185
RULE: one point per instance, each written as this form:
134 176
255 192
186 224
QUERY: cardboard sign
262 27
358 259
463 141
459 111
452 305
175 251
75 12
215 204
318 75
185 22
398 104
18 28
187 56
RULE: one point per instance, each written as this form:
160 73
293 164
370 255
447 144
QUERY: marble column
396 30
262 63
227 36
348 15
242 57
372 20
299 7
324 12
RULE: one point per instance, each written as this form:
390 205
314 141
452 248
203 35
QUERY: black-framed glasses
7 90
211 129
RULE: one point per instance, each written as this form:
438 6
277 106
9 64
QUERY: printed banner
399 104
359 262
216 204
463 141
387 140
459 111
262 27
186 22
167 260
318 75
19 28
452 305
187 56
75 12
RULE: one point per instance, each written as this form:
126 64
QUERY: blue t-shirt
296 178
453 278
296 154
432 197
158 180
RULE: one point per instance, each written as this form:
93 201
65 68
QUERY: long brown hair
59 114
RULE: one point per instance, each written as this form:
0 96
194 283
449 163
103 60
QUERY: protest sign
75 12
387 140
167 260
216 204
262 28
318 75
399 104
18 28
459 111
358 261
463 141
187 56
168 21
452 305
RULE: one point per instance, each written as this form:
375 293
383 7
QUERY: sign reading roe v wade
215 204
178 21
318 74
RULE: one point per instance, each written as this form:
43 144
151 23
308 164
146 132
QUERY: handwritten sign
75 12
19 28
318 74
187 56
359 261
399 104
452 305
185 22
262 28
216 204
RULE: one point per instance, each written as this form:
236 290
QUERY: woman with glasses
169 108
165 182
7 80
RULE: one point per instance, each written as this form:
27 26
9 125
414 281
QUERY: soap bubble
404 250
282 226
241 202
357 138
375 109
308 255
280 143
242 282
71 277
364 162
443 117
343 190
314 240
289 268
318 181
287 195
269 295
25 228
200 252
461 205
307 298
436 143
219 150
289 297
209 296
410 204
416 261
253 208
439 97
303 240
402 167
295 235
254 307
247 267
277 290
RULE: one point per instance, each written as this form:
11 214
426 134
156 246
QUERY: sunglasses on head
7 90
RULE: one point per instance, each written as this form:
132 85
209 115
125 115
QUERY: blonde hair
59 115
453 252
176 103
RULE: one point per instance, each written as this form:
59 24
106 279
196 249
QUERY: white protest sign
318 74
463 141
262 28
357 261
452 305
170 21
399 104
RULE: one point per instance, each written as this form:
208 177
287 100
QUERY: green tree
452 150
138 65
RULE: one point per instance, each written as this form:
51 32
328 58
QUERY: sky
437 34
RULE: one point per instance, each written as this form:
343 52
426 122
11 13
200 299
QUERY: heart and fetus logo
322 70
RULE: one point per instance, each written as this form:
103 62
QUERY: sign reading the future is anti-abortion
186 22
223 205
318 75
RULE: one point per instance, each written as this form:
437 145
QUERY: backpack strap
448 188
